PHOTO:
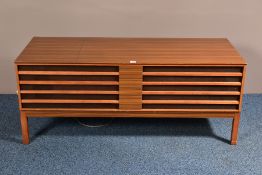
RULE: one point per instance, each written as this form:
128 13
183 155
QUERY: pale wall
238 20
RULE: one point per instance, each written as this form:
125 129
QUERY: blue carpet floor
131 146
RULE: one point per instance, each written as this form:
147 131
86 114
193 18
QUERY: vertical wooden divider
130 87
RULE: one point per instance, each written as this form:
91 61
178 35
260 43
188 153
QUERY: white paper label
132 62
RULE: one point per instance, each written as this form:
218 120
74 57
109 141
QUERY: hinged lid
146 51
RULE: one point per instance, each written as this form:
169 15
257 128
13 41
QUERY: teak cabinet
130 77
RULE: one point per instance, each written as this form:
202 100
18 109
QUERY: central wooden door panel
130 87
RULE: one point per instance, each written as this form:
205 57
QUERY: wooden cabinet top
146 51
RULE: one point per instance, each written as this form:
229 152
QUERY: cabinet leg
234 132
24 127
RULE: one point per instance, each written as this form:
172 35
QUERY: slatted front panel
69 87
192 88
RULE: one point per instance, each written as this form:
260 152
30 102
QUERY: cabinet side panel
18 86
130 87
242 88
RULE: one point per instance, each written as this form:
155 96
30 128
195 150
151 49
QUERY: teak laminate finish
130 88
130 77
200 51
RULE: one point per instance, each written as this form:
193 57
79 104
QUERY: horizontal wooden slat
66 73
232 74
71 109
71 82
66 101
148 110
188 68
192 110
195 83
190 102
66 92
191 92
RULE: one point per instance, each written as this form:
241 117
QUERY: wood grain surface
130 77
130 87
144 51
